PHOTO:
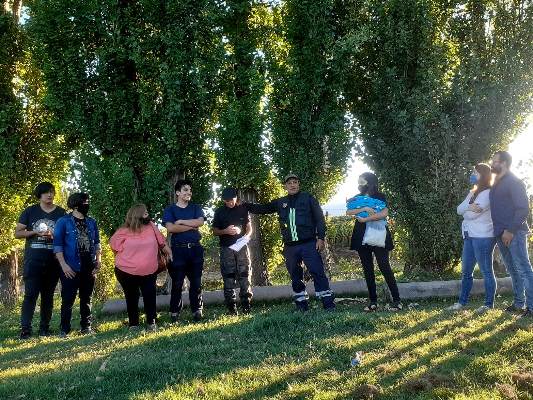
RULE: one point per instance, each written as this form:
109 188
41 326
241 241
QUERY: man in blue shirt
509 207
182 220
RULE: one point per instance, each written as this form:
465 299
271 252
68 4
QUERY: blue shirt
509 205
172 213
66 240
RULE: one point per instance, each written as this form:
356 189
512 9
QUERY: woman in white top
478 238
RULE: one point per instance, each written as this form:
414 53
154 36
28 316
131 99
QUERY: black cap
290 176
229 193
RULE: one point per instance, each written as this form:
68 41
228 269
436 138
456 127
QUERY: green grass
276 353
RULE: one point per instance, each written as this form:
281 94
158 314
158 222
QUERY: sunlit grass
276 353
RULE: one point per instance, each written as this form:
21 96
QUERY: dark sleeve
521 206
318 216
168 216
217 223
24 218
269 208
198 212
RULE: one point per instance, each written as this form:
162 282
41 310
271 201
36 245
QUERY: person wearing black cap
230 223
303 230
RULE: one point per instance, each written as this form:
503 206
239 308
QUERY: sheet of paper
240 243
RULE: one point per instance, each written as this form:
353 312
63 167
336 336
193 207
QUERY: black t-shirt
360 227
225 216
38 220
84 243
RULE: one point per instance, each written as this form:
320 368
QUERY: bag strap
161 245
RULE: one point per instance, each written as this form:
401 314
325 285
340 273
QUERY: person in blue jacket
77 248
303 229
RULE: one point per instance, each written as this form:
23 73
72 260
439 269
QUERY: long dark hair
485 180
372 183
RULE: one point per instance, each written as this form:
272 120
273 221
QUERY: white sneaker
455 307
482 310
151 328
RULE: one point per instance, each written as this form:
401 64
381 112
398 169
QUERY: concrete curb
408 291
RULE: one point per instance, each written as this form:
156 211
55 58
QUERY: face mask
474 179
146 220
83 209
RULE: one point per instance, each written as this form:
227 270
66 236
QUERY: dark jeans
131 284
235 268
40 277
307 254
83 283
187 262
382 257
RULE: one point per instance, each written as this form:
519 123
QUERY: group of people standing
66 246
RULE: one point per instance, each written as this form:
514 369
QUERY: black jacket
300 217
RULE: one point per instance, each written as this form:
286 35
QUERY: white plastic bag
375 233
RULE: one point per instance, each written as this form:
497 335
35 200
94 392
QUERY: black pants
83 283
40 277
187 262
131 284
382 258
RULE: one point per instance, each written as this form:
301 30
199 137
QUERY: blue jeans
478 250
516 260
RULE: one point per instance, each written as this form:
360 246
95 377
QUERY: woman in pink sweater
136 245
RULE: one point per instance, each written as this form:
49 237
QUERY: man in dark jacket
303 230
509 208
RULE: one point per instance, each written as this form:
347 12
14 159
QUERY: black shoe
86 331
44 332
232 309
25 334
514 309
174 318
302 306
197 315
63 335
396 306
328 303
246 308
527 314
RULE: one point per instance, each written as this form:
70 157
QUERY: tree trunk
9 284
259 267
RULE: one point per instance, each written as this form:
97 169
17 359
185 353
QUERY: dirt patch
367 392
523 380
507 391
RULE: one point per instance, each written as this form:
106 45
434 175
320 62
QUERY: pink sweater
136 252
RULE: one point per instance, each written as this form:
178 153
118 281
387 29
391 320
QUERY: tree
436 87
31 150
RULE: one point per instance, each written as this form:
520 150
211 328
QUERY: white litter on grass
357 359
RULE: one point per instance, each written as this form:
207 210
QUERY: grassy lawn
275 353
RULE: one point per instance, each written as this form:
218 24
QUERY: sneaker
133 328
482 309
328 303
63 335
45 332
151 328
25 334
455 307
302 306
86 331
396 306
527 314
372 307
174 318
246 307
197 315
232 309
514 309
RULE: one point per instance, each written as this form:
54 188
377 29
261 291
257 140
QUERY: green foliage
105 286
339 231
134 83
31 149
310 134
436 87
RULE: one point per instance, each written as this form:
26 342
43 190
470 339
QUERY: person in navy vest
509 208
77 248
303 230
183 220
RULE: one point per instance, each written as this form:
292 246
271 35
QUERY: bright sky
521 149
